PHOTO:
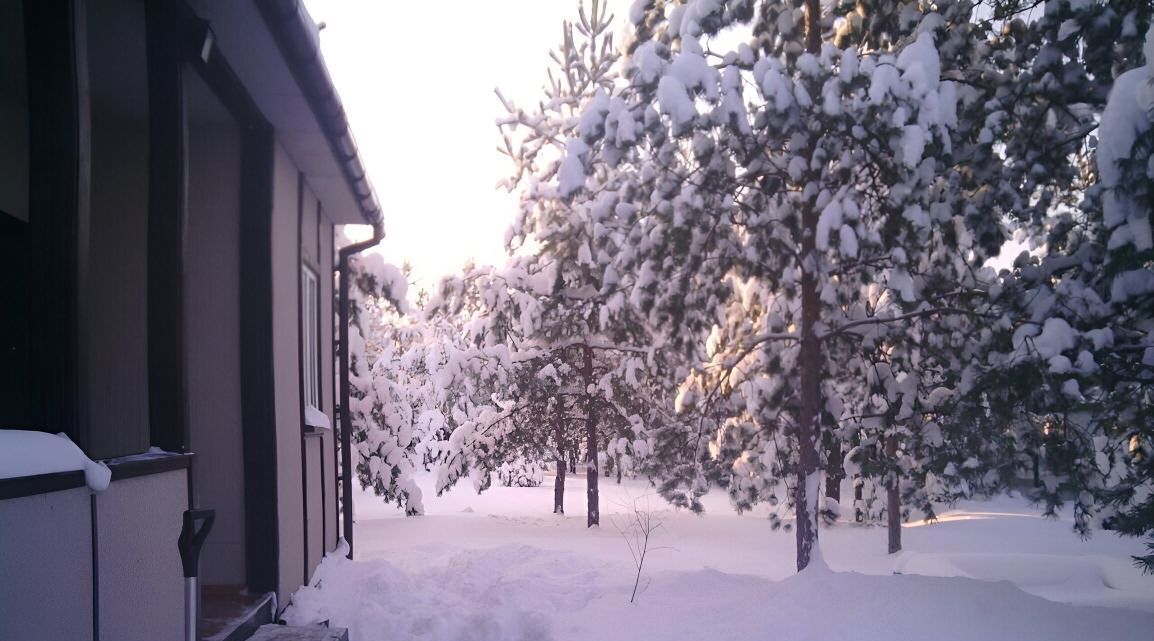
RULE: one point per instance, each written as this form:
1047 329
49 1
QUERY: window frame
310 338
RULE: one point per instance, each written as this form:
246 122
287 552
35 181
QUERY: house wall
314 450
44 538
328 354
286 373
306 470
212 304
48 569
117 548
113 257
140 575
114 292
315 470
310 228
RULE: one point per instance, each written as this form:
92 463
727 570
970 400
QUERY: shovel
190 541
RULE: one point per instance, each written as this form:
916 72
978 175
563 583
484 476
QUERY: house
171 172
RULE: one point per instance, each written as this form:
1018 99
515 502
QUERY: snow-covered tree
388 411
805 204
552 397
584 319
1080 360
382 408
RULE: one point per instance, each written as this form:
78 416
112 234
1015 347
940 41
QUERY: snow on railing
29 453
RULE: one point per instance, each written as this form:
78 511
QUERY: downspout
346 422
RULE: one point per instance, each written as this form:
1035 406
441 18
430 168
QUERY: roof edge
297 38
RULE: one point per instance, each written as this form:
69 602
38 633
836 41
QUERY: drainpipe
346 422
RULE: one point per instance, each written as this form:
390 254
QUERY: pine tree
383 411
800 204
1083 345
585 318
543 388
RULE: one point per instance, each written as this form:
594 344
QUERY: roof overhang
274 49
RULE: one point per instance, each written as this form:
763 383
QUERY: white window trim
310 348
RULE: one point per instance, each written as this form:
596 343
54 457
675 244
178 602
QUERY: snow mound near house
521 592
508 592
29 453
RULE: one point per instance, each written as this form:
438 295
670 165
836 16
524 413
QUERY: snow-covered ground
500 566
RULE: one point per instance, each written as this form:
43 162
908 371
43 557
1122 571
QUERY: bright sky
417 83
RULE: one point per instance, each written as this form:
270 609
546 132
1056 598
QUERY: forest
789 249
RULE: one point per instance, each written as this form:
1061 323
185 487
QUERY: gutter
298 39
346 421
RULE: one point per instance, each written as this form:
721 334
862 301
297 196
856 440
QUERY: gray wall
115 291
212 304
311 243
314 449
317 252
311 255
328 354
141 578
46 567
113 247
286 374
310 229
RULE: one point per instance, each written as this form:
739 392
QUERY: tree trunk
591 472
559 486
858 484
559 441
893 499
808 433
808 479
834 471
813 26
858 512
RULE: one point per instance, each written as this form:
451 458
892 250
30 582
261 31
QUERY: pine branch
844 329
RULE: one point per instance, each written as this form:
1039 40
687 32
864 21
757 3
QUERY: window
310 337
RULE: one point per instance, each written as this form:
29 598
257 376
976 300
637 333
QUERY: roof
273 46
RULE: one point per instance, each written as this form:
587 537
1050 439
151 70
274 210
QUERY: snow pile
518 592
28 453
498 566
503 593
1090 579
834 605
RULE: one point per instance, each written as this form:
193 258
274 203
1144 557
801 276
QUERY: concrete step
273 632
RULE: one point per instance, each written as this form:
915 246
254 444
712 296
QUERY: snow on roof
29 453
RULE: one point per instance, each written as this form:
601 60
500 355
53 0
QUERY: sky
417 81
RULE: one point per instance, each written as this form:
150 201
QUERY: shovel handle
192 538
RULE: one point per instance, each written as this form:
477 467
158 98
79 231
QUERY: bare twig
638 532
